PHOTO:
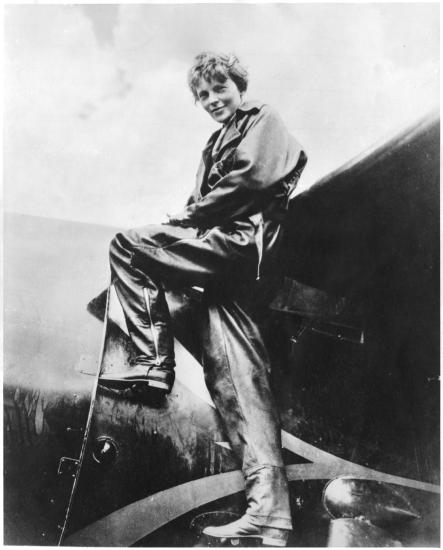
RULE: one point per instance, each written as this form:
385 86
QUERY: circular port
105 451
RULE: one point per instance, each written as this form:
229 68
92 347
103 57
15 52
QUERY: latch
68 466
351 334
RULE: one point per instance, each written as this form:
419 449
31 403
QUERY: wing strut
88 426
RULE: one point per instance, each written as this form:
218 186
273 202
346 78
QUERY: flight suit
227 239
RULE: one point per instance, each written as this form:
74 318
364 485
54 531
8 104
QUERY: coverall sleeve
260 161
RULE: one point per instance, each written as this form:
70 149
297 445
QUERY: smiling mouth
218 109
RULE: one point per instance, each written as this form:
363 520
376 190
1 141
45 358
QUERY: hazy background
100 126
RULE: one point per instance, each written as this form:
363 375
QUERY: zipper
259 241
153 328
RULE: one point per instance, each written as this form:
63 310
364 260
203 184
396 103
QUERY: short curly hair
220 67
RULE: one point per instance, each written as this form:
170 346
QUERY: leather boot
244 528
158 378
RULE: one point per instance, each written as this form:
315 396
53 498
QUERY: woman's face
219 99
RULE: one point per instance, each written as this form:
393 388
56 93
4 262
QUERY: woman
223 239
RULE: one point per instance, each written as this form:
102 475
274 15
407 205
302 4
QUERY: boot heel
274 537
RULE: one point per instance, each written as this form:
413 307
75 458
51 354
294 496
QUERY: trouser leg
144 304
235 359
236 368
144 259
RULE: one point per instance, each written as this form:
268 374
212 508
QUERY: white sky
100 126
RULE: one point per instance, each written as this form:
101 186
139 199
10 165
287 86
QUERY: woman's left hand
180 219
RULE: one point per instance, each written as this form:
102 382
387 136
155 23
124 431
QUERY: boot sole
122 382
267 541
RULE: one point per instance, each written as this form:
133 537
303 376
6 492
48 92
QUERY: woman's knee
123 244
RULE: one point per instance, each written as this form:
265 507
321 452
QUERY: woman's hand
181 219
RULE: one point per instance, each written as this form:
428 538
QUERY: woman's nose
212 98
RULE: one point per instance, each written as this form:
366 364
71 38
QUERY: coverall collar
231 133
250 105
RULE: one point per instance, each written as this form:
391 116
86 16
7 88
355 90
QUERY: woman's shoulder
255 106
253 109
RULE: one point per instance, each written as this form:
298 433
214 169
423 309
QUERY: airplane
353 334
